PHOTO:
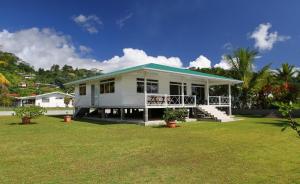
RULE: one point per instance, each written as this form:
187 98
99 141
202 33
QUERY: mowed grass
253 150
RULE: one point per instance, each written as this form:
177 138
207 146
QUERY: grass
253 150
48 108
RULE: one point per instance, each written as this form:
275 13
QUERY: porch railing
218 100
170 100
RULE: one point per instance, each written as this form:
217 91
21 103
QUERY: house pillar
122 113
207 92
182 92
146 111
229 100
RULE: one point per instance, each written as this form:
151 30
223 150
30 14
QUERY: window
175 88
139 85
59 98
152 86
82 89
45 100
107 86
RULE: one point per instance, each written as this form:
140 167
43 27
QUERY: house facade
53 99
144 91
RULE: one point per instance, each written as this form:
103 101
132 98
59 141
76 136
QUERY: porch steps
215 113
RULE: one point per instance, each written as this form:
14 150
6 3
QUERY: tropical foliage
30 111
14 73
286 109
259 88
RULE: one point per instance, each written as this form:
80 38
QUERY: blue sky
84 32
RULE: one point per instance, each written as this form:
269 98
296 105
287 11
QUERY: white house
122 94
53 99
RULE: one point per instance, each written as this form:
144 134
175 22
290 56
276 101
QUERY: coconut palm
242 63
286 74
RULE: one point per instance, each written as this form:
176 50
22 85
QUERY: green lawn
48 108
253 150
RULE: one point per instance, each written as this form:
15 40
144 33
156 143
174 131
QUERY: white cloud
264 40
90 22
121 21
133 57
84 49
201 62
44 47
223 64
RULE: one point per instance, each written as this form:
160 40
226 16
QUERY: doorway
199 91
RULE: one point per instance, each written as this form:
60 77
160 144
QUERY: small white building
53 99
143 92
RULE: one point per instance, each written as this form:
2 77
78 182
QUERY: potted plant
170 117
29 112
67 118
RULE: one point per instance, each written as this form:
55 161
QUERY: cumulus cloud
84 49
42 48
121 21
90 23
264 40
223 64
133 57
201 62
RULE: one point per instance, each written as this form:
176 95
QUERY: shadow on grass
279 123
94 121
32 123
165 126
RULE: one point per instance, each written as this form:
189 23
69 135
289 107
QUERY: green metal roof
153 66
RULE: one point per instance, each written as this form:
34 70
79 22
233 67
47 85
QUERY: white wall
125 89
55 100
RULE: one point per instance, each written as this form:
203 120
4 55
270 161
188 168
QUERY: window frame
81 92
107 86
45 100
140 88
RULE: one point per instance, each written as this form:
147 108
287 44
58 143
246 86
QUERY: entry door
199 91
175 89
92 95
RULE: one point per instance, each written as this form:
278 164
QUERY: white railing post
195 98
166 100
219 100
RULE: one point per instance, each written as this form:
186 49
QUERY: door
93 95
175 89
198 90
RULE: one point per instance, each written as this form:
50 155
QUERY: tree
286 110
242 62
3 80
286 73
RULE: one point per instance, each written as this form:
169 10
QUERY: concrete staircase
215 113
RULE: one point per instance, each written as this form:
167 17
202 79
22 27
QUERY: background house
53 99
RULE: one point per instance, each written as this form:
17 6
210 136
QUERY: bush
175 114
30 111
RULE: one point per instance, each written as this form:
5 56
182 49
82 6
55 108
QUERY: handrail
170 100
219 100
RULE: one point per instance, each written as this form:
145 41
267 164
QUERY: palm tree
242 63
3 80
286 74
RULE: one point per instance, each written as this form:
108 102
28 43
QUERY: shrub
67 100
175 114
286 110
30 111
